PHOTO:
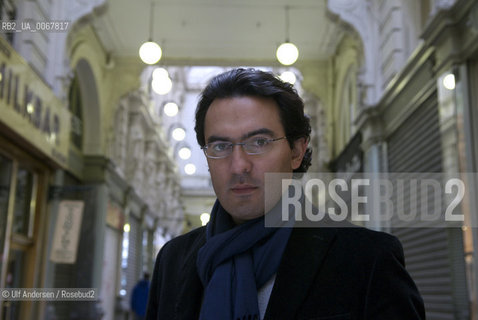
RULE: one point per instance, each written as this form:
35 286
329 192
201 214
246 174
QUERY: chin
245 215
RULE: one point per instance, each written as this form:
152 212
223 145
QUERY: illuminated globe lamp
184 153
190 169
288 76
287 53
162 86
449 81
126 227
179 134
161 82
150 52
170 109
160 73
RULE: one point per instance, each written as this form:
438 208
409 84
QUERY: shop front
34 137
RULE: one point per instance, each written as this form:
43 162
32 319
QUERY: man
248 123
139 297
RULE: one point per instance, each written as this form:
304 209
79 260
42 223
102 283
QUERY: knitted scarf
234 262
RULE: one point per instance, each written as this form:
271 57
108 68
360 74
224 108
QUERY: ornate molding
140 152
359 15
442 5
473 18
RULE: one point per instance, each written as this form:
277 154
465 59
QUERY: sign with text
30 109
67 232
114 217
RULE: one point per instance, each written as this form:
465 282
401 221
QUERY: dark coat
325 273
139 296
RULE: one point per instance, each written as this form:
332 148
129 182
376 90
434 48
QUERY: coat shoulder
368 242
181 245
368 236
188 238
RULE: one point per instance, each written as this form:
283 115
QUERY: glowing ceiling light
160 73
171 109
162 86
288 76
30 108
150 52
190 169
179 134
287 53
126 227
184 153
449 81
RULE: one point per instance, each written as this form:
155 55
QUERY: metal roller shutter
431 254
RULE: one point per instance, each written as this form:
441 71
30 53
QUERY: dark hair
252 82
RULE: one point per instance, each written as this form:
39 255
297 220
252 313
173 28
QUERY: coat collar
304 254
302 259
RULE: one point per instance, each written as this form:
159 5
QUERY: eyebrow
266 131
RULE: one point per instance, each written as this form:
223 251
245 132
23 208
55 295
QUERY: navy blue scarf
235 262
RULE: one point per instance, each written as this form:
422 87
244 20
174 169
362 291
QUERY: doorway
22 199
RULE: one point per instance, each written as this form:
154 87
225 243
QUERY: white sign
67 232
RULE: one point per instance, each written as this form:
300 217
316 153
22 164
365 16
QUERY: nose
240 160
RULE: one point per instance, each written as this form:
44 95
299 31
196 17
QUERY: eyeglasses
222 149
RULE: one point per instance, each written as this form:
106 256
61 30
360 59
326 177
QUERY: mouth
243 189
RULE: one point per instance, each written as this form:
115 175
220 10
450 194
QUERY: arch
358 15
345 105
76 110
314 108
348 107
92 133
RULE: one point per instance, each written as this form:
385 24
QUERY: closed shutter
431 254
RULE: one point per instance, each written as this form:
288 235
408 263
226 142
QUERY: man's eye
221 146
260 142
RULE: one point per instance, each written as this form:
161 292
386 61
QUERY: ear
298 151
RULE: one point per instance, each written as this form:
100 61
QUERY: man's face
238 179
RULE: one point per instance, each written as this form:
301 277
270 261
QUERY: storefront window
24 208
16 264
18 198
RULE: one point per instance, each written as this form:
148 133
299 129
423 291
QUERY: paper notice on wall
67 232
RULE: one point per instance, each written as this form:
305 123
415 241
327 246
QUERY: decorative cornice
358 14
449 16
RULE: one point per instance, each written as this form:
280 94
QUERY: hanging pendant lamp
287 53
150 52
